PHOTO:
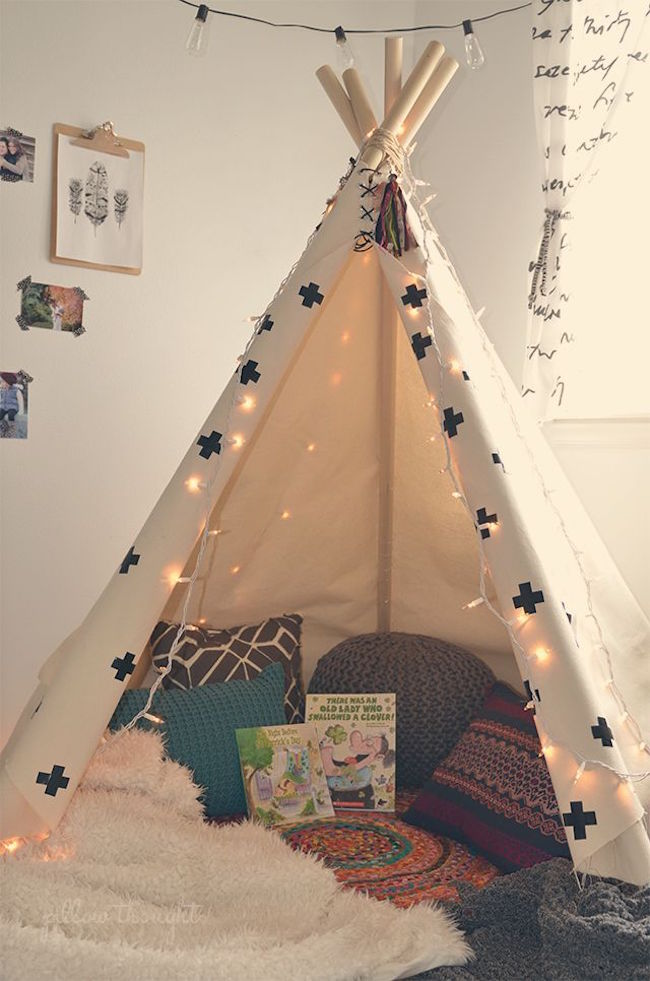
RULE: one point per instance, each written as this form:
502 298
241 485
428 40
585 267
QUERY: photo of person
58 308
17 154
13 405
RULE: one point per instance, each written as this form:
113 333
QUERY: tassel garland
392 231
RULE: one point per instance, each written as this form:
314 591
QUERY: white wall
242 150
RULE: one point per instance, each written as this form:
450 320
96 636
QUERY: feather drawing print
75 190
96 194
120 205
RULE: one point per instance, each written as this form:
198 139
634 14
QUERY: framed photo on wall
97 199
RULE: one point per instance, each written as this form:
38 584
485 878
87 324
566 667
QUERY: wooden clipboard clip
102 139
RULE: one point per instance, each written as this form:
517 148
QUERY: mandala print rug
384 857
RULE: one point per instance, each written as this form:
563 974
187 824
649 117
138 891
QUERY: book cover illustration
357 744
284 777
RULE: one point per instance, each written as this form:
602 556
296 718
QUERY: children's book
357 743
284 777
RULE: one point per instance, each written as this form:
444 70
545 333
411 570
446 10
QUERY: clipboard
105 144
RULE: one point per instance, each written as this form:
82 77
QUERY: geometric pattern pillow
206 656
493 791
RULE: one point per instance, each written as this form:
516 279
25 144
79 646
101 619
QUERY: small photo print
58 308
14 402
17 153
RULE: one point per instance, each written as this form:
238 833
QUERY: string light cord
584 761
358 30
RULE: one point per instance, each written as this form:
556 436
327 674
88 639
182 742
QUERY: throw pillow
206 655
493 791
199 725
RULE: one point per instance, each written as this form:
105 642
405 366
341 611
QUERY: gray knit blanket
538 925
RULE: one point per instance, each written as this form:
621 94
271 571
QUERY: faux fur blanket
538 925
134 884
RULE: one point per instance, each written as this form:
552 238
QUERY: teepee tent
369 466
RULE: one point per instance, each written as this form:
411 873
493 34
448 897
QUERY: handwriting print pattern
587 57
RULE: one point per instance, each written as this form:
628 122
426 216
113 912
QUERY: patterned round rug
389 859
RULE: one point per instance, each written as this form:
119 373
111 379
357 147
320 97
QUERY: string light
215 532
311 447
454 366
473 50
336 379
412 29
579 772
457 495
197 39
156 719
285 515
236 441
235 569
345 337
344 53
246 402
473 604
195 484
522 616
541 654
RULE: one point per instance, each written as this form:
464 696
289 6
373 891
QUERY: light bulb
344 54
195 484
197 39
473 603
473 51
246 403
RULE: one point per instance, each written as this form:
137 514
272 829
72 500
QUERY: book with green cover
357 744
283 773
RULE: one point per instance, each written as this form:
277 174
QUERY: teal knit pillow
199 729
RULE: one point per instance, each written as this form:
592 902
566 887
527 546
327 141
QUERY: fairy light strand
208 533
444 367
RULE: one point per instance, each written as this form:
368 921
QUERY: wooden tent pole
387 346
337 96
361 107
392 71
405 101
427 99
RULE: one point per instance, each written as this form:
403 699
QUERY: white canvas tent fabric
333 502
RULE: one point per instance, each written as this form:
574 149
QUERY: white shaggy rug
133 884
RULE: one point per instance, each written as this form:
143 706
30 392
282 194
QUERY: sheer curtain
591 82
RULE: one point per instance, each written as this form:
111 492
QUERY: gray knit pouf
439 687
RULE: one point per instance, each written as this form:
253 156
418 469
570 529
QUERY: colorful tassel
392 231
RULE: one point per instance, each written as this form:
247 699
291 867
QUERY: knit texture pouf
439 687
